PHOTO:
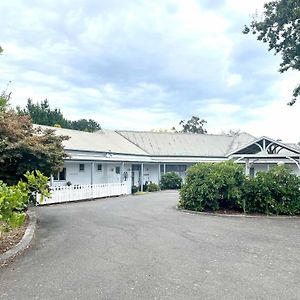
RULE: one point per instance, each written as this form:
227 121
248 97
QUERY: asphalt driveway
140 247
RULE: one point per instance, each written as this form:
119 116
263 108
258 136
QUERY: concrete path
140 247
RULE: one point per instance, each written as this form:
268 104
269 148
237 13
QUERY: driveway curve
140 247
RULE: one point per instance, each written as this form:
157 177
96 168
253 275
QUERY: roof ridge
175 133
124 137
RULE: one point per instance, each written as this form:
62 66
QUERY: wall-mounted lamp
109 154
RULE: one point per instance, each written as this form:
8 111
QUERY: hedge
212 186
221 186
170 181
274 192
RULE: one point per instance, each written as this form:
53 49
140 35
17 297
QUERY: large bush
170 181
14 199
212 186
274 192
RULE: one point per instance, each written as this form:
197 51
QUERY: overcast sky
147 64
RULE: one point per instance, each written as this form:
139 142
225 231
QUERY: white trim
287 147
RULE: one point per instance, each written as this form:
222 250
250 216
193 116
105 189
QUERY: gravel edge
24 242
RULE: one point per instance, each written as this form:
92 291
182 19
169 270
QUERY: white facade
134 158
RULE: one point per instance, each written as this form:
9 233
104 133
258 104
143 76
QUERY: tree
25 148
279 27
193 125
85 125
42 114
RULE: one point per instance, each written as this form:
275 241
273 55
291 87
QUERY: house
136 157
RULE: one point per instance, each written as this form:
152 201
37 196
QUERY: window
175 168
136 167
60 175
99 167
118 170
81 167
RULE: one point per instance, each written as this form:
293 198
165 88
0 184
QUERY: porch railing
83 192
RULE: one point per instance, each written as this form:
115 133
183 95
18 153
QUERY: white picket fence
83 192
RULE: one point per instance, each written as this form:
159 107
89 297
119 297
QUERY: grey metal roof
143 143
185 144
240 140
293 145
100 141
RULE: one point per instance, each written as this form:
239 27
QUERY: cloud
143 64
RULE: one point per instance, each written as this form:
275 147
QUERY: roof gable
265 145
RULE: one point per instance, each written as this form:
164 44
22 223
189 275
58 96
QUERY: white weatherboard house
115 160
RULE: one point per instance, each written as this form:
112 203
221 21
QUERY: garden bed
11 238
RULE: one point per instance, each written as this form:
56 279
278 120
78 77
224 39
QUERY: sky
145 65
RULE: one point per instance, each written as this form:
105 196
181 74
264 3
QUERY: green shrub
170 180
212 186
17 219
274 192
134 189
14 199
37 183
152 187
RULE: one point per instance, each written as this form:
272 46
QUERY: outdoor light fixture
108 154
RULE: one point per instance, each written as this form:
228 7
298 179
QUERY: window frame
57 176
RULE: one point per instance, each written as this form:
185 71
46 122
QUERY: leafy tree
24 148
85 125
279 27
193 125
42 114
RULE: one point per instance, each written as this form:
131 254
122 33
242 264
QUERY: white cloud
233 79
246 6
147 64
276 119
